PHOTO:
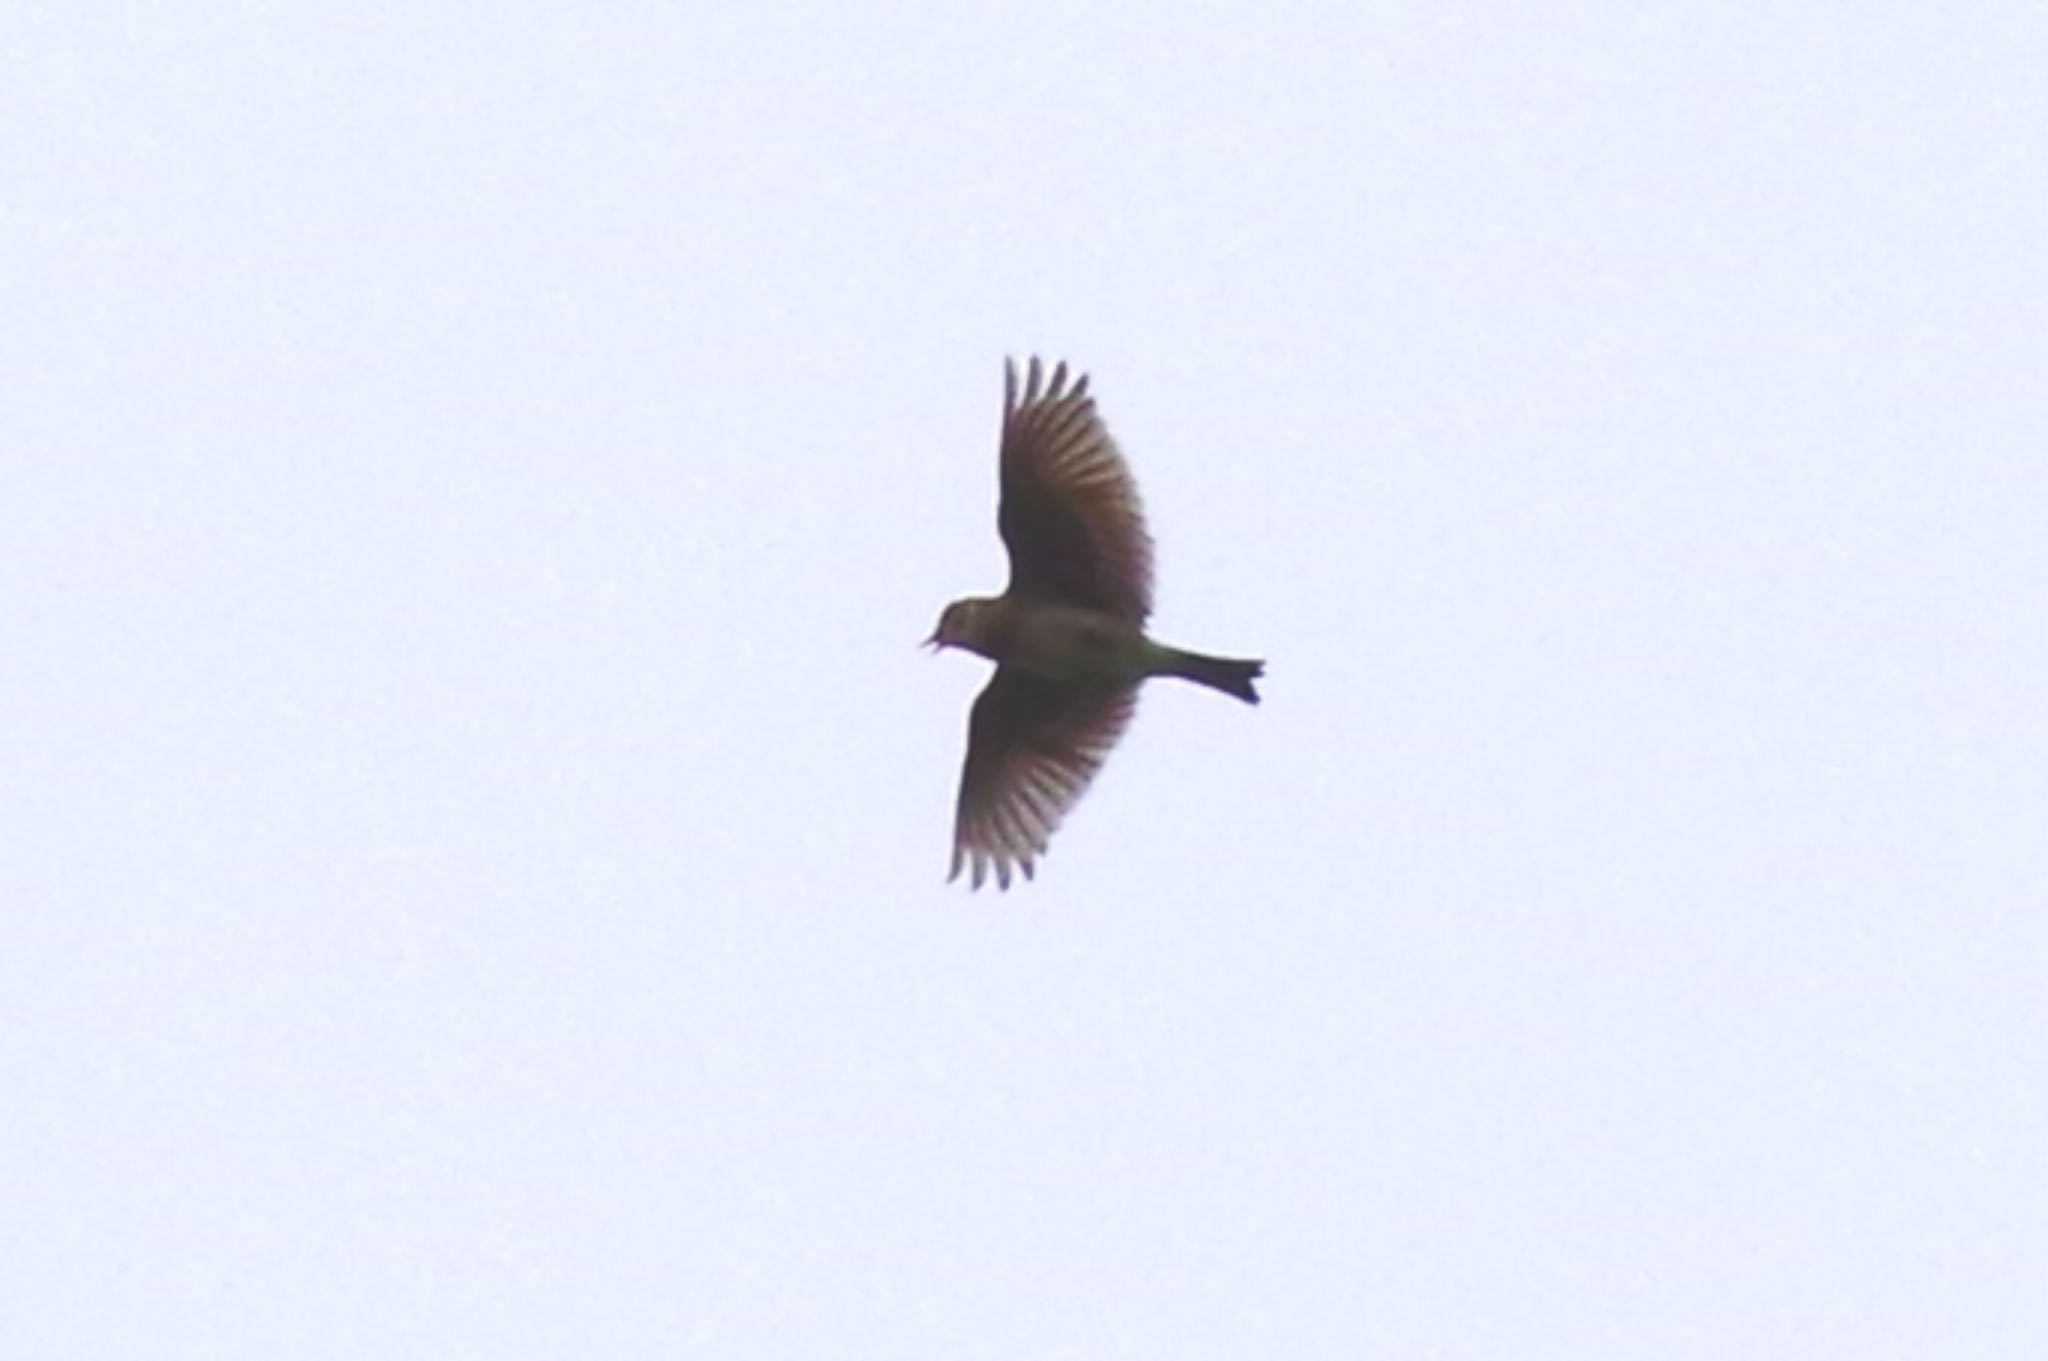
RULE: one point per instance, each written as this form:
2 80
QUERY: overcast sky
474 815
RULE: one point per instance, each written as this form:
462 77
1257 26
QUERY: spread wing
1032 748
1070 514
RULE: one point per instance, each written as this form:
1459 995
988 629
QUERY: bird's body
1072 645
1068 636
1066 643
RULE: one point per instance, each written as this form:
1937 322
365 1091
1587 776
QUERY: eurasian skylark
1068 636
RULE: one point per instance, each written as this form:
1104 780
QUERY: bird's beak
931 644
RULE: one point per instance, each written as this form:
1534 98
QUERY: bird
1067 635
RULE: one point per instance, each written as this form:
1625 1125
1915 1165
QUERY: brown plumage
1033 746
1070 514
1068 635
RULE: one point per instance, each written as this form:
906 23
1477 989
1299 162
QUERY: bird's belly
1077 646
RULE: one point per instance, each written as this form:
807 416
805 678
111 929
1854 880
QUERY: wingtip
1066 383
982 868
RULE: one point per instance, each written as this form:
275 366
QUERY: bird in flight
1067 637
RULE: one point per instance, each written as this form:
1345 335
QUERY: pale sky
473 479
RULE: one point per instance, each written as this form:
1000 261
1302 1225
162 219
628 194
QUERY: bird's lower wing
1033 746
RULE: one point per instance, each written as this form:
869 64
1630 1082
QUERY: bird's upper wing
1032 748
1070 512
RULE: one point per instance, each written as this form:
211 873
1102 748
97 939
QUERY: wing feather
1070 513
1033 747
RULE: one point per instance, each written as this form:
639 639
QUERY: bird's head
964 623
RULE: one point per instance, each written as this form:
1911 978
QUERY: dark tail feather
1228 674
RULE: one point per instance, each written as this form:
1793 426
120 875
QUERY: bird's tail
1228 674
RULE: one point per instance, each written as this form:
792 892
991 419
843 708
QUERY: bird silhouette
1067 636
